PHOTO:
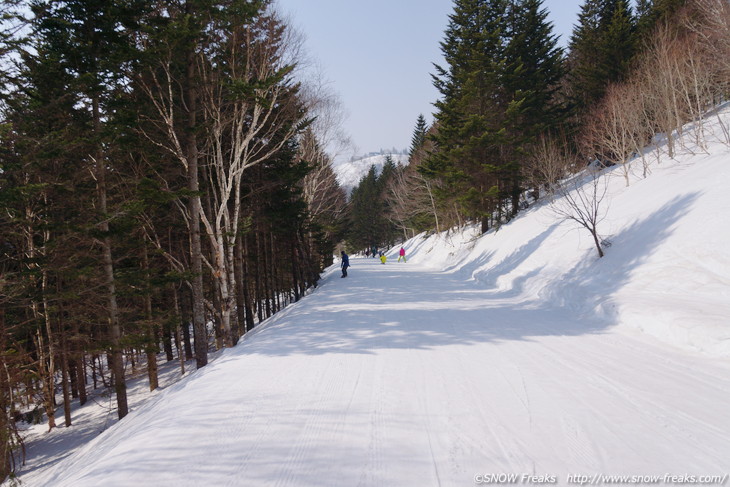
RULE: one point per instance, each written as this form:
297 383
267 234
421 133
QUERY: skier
383 258
402 254
345 263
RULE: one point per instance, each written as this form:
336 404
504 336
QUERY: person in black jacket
345 263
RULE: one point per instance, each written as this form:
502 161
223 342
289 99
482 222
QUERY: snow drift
666 273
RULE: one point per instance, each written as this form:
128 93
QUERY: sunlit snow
518 352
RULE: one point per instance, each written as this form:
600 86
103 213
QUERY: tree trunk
73 377
268 287
49 387
93 371
167 343
224 295
65 382
597 242
181 356
199 326
115 329
295 270
246 288
274 278
185 323
75 358
241 284
217 329
80 370
47 363
259 299
151 348
485 225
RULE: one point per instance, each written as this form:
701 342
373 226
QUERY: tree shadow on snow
400 307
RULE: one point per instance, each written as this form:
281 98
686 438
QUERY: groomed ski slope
513 353
400 375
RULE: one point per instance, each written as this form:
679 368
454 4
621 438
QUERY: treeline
368 226
517 113
163 187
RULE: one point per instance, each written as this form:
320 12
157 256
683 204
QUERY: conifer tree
419 135
471 110
101 189
74 76
46 131
601 48
365 211
498 93
533 70
532 75
650 12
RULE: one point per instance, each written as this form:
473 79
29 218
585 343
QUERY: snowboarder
345 263
402 254
383 258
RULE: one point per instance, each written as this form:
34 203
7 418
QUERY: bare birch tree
171 85
582 199
617 129
250 104
548 165
577 195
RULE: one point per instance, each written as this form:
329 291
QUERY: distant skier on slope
402 254
383 258
345 263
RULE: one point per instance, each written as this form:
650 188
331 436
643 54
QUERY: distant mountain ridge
349 173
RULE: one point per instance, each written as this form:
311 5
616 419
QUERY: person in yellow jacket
383 258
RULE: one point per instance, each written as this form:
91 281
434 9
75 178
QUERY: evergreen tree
368 225
387 230
75 76
365 213
47 197
601 48
419 135
619 43
471 111
533 72
498 93
650 12
102 193
386 173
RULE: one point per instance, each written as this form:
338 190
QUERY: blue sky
378 57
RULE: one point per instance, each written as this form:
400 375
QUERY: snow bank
666 274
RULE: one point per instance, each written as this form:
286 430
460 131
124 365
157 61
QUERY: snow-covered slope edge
667 272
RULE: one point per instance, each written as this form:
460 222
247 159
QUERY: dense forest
517 113
162 190
165 183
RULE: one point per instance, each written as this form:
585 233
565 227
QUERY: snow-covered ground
513 353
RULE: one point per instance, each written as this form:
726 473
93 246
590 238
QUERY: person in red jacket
402 254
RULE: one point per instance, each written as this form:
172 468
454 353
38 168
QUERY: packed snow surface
518 352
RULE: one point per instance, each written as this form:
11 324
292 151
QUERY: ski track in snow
379 380
522 356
